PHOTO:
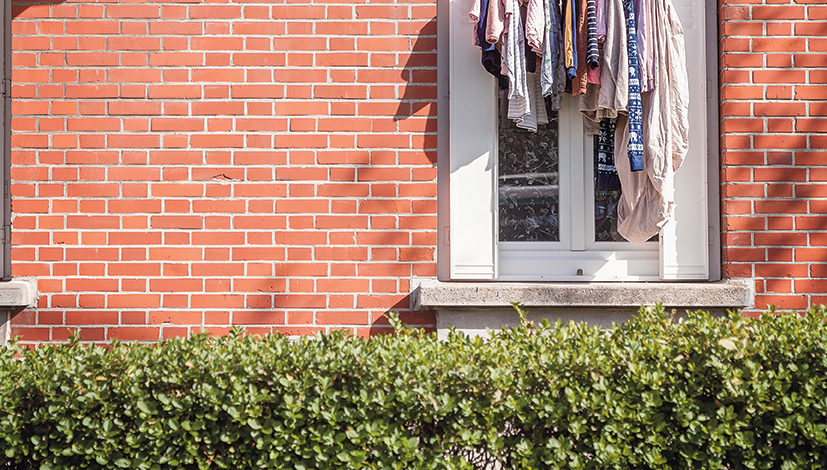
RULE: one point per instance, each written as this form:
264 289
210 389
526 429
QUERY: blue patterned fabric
635 149
607 179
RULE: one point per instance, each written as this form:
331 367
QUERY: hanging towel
647 198
635 146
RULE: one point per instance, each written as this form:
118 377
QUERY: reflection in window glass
528 179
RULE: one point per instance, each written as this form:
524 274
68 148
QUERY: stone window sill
15 295
434 294
18 294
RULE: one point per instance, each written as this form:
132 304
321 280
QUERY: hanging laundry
649 5
552 72
570 38
550 45
491 58
594 45
530 59
647 198
535 25
592 57
593 74
635 145
520 97
495 21
579 83
644 43
607 179
600 11
508 9
611 97
537 108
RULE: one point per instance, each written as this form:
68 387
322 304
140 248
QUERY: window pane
605 207
528 179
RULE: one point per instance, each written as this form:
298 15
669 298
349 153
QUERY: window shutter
472 155
684 246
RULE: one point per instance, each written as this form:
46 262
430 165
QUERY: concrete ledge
434 294
16 294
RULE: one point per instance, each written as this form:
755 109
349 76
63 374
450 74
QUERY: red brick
793 301
134 333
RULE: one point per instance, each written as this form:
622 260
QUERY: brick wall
774 148
180 163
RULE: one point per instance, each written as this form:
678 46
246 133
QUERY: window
507 213
552 224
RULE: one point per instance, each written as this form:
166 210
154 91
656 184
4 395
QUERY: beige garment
612 95
535 25
648 196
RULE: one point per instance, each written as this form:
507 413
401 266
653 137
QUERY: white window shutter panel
684 240
472 154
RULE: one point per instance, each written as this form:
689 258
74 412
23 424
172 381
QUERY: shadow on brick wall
419 96
38 8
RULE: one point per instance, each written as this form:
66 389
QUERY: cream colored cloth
611 97
647 198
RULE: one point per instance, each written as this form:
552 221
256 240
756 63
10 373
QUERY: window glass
528 187
605 208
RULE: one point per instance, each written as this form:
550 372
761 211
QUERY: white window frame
576 257
467 178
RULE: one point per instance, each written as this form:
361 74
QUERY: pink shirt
535 25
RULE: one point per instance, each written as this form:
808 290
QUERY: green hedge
652 393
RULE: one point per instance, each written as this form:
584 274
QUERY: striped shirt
592 54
